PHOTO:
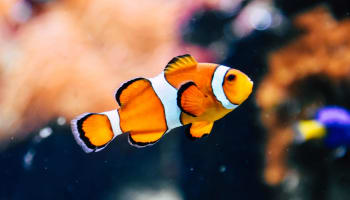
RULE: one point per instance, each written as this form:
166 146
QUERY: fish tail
94 131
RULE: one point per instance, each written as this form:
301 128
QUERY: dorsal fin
130 89
179 63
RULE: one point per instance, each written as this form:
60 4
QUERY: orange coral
297 82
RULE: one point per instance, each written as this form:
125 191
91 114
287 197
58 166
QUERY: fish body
186 92
331 123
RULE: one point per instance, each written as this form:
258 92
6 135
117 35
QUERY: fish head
237 86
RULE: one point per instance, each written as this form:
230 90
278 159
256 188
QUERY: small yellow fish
186 92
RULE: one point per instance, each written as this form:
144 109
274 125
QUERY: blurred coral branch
309 72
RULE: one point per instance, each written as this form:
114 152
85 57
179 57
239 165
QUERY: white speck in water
222 168
61 121
167 192
292 181
45 132
21 11
260 18
191 169
28 159
340 152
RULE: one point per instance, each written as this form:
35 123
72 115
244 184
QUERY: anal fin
199 129
145 138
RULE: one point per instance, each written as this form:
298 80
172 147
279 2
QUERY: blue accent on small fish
337 122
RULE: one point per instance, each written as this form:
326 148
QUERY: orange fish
186 92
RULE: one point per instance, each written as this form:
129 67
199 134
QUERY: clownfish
186 92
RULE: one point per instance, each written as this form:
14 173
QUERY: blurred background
61 58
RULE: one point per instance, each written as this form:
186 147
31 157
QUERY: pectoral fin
191 100
199 129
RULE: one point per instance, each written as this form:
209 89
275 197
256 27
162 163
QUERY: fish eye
231 77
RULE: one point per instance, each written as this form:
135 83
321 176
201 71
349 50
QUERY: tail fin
93 131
